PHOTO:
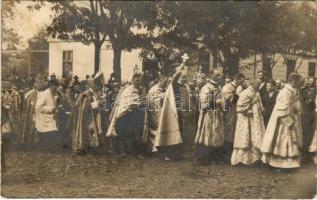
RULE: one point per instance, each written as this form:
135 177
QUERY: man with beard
87 120
127 118
26 132
210 136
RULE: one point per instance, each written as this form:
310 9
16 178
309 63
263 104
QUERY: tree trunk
214 54
267 65
117 63
97 58
232 65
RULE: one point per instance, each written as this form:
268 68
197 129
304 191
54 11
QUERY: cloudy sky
26 22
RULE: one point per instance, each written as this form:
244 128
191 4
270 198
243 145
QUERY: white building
306 66
79 59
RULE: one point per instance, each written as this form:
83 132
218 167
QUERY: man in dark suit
308 96
262 79
268 100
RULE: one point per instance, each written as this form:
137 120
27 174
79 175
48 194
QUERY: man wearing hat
45 117
87 117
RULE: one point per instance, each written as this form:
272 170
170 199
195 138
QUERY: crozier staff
176 131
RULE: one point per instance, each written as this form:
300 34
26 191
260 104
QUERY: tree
39 60
297 30
77 21
93 21
218 26
262 34
123 19
10 39
168 41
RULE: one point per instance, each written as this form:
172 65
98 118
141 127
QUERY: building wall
83 59
279 71
128 62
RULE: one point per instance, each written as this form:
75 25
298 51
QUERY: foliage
230 30
10 39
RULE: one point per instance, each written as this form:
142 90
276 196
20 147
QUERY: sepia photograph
158 99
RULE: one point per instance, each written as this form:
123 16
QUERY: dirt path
32 174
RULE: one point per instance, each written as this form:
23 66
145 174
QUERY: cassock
87 123
282 140
313 144
262 90
26 132
250 128
308 96
155 97
210 123
63 115
127 119
230 115
269 100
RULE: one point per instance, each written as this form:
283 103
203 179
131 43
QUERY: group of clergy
245 121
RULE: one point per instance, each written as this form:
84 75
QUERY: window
290 67
67 62
311 69
108 47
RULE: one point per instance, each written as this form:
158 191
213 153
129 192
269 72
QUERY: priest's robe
250 128
282 140
127 119
26 132
6 124
177 123
87 130
210 122
155 98
14 112
230 115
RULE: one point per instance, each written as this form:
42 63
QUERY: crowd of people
240 121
